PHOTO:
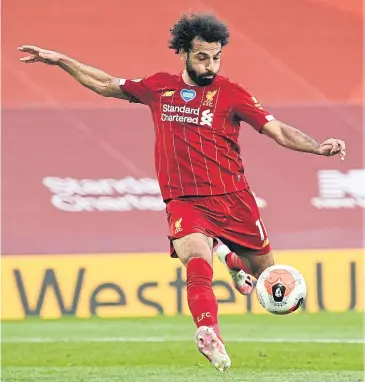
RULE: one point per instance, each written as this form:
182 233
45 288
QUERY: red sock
201 299
235 263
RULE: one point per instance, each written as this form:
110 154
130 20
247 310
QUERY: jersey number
262 230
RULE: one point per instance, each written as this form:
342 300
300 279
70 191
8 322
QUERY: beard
200 79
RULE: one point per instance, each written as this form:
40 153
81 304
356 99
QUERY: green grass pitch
300 347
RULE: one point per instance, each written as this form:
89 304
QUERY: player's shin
239 272
201 299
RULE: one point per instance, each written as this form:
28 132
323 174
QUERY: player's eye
216 58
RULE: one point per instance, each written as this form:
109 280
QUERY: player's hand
39 55
332 147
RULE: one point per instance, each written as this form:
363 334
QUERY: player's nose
209 67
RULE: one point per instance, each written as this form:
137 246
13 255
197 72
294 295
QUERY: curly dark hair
203 26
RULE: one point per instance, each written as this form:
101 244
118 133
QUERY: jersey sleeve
248 109
138 90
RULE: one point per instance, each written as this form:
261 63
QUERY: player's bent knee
196 255
195 245
259 263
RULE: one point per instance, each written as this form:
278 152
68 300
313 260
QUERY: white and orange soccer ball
281 289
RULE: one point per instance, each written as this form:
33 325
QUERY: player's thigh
194 245
244 225
191 232
245 233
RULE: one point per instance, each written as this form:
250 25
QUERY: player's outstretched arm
92 78
294 139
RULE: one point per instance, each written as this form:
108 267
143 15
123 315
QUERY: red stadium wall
307 74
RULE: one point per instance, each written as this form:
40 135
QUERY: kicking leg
238 270
255 262
195 252
258 263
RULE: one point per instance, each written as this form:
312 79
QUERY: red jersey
196 129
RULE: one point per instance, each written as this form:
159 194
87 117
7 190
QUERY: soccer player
197 116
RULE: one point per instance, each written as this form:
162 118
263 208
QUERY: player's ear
183 55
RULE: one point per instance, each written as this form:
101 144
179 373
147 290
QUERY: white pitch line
182 339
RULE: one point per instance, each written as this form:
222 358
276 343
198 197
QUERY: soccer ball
281 289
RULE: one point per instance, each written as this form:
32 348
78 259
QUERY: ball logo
188 94
278 292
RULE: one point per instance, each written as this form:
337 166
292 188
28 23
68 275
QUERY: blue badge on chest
188 94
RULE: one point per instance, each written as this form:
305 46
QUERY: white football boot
241 280
212 348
